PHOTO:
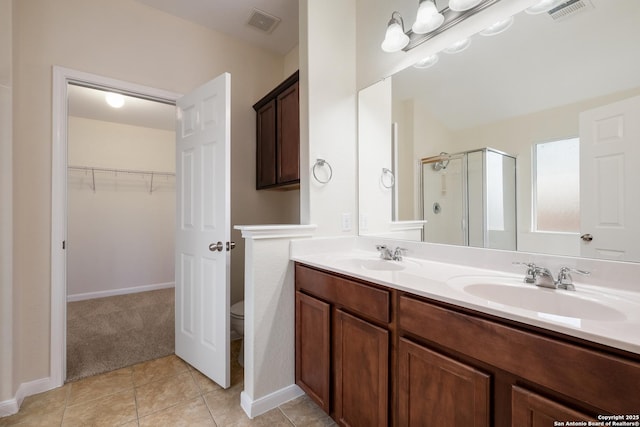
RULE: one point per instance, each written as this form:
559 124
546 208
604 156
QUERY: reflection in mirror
547 78
470 199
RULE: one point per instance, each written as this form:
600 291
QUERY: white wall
125 40
328 113
374 153
291 62
119 236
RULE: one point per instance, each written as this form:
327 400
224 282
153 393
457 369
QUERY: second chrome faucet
541 276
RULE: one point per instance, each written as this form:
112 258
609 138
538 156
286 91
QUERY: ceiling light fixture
428 18
543 6
427 62
395 39
431 20
497 28
458 46
115 100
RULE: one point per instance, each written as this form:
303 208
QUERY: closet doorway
120 230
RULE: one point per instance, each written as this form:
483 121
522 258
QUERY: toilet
237 324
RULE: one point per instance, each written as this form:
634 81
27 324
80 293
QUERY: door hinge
64 244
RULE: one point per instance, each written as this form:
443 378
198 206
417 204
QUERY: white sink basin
554 302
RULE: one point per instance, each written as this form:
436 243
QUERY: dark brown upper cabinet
278 137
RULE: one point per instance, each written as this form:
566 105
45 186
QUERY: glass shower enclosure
469 199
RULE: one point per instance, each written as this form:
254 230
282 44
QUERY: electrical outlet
364 222
346 222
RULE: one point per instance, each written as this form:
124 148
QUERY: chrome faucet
565 281
542 277
398 252
387 254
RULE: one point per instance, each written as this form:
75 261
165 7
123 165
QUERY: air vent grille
263 21
569 9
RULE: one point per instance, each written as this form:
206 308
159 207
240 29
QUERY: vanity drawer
600 379
369 301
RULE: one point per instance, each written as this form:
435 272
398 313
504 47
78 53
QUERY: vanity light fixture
431 19
427 62
395 39
458 46
115 100
428 17
543 6
497 28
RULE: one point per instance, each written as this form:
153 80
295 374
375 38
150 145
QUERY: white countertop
610 316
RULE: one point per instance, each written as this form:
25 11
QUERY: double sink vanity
419 340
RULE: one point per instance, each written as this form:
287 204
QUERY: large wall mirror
539 125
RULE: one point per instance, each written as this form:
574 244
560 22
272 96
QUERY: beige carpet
109 333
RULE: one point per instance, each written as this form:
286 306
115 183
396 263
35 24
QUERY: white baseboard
121 291
253 408
12 406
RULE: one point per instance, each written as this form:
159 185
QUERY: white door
203 228
610 180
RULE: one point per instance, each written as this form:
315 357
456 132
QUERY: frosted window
557 186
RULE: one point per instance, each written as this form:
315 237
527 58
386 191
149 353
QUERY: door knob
587 237
230 245
216 247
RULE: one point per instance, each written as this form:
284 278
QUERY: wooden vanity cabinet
535 378
278 137
343 346
374 356
529 409
435 390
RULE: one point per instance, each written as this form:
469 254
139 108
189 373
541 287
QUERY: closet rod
93 171
134 171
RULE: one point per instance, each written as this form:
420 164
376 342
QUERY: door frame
61 77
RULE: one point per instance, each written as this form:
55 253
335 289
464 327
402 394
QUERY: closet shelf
93 170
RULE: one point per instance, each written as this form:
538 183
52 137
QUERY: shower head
441 164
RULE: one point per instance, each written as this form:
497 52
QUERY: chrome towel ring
391 180
321 163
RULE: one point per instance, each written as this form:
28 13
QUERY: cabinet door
288 148
435 390
313 345
529 409
361 356
266 145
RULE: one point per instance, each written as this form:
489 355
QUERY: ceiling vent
263 21
570 9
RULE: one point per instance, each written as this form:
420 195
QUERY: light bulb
115 100
543 6
497 28
458 46
428 18
427 62
395 38
462 5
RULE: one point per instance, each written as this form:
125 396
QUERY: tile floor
161 392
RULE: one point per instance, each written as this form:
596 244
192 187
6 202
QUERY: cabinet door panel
435 390
313 318
266 145
288 149
362 372
529 409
